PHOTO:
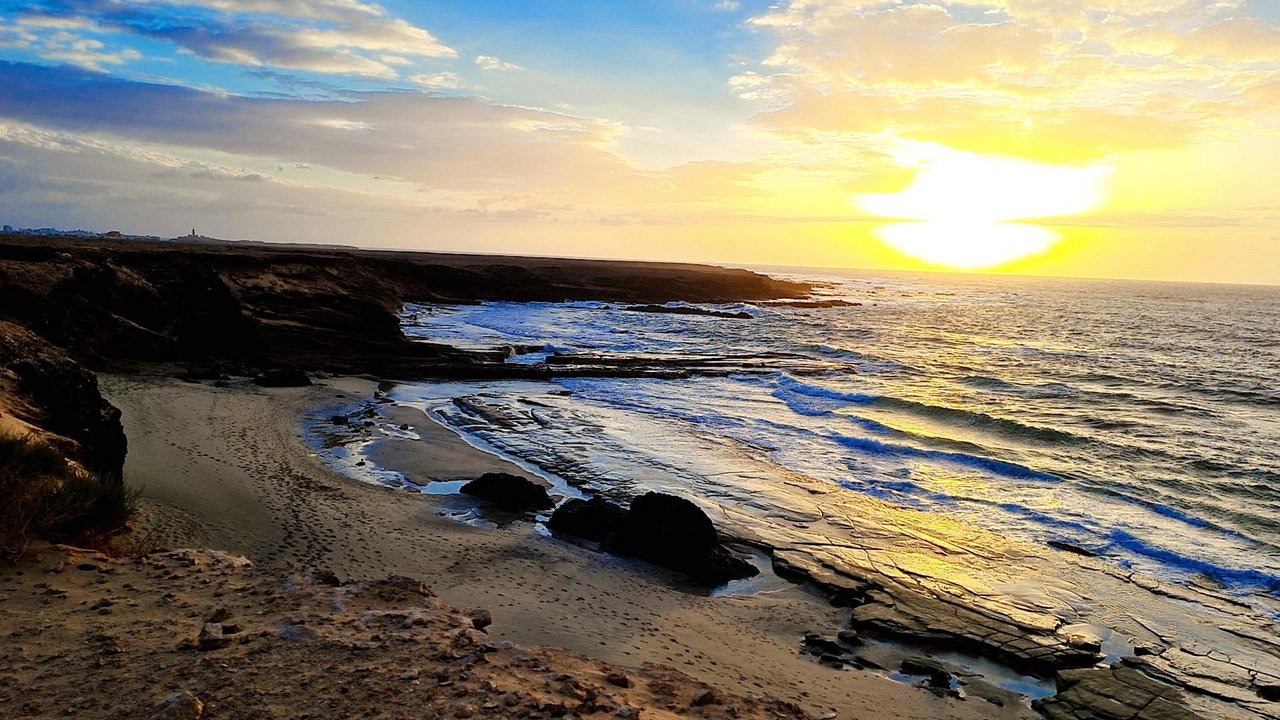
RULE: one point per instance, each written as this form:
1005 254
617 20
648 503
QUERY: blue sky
721 130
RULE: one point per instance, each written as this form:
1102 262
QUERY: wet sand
228 468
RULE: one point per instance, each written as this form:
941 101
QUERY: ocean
1136 421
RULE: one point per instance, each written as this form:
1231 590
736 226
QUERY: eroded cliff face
46 393
121 305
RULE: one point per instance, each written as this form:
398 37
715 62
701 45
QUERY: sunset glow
964 202
1083 139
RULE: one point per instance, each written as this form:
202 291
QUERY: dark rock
674 533
1068 547
282 377
618 679
596 519
704 698
815 644
510 491
340 420
939 676
848 638
686 310
480 619
54 393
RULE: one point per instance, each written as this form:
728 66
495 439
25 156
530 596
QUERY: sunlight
967 245
963 203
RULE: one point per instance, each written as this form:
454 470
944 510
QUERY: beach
229 468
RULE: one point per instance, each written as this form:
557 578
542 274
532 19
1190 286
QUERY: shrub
43 496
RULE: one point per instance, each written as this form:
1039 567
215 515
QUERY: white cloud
488 62
437 81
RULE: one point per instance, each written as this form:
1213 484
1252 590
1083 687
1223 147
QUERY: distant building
8 228
113 235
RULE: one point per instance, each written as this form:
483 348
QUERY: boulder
182 705
282 377
595 519
673 532
509 491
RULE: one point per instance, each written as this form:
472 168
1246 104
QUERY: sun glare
964 206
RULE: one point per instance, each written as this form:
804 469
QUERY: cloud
437 81
1069 82
330 37
488 62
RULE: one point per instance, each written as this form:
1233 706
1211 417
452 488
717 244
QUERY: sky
1099 138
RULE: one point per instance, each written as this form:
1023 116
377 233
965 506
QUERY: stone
938 676
480 619
618 679
212 637
340 420
704 698
675 533
509 491
596 519
182 705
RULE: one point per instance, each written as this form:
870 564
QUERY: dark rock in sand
815 644
674 533
282 377
509 491
939 676
686 310
340 420
596 519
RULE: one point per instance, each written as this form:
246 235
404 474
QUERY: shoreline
248 482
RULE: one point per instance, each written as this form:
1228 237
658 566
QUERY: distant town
112 235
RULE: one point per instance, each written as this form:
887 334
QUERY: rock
510 491
674 533
706 697
815 644
282 377
595 519
213 637
480 619
340 420
1068 547
181 705
686 310
1113 693
938 676
848 638
618 679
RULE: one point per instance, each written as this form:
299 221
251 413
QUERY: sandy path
227 468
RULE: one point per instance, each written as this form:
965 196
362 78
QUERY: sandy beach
229 468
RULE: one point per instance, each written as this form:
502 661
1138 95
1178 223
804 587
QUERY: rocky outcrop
688 310
1116 693
45 392
509 491
664 529
123 305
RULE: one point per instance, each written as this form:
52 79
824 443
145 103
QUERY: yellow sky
1140 136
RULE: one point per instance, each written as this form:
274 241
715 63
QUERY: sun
966 209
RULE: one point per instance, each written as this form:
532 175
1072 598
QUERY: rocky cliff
120 305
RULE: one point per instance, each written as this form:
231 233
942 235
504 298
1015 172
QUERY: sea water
1136 421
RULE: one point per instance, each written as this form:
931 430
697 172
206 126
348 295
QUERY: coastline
229 468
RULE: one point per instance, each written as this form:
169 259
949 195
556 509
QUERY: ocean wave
1226 576
968 418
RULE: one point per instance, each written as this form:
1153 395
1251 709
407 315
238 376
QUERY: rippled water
1139 421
